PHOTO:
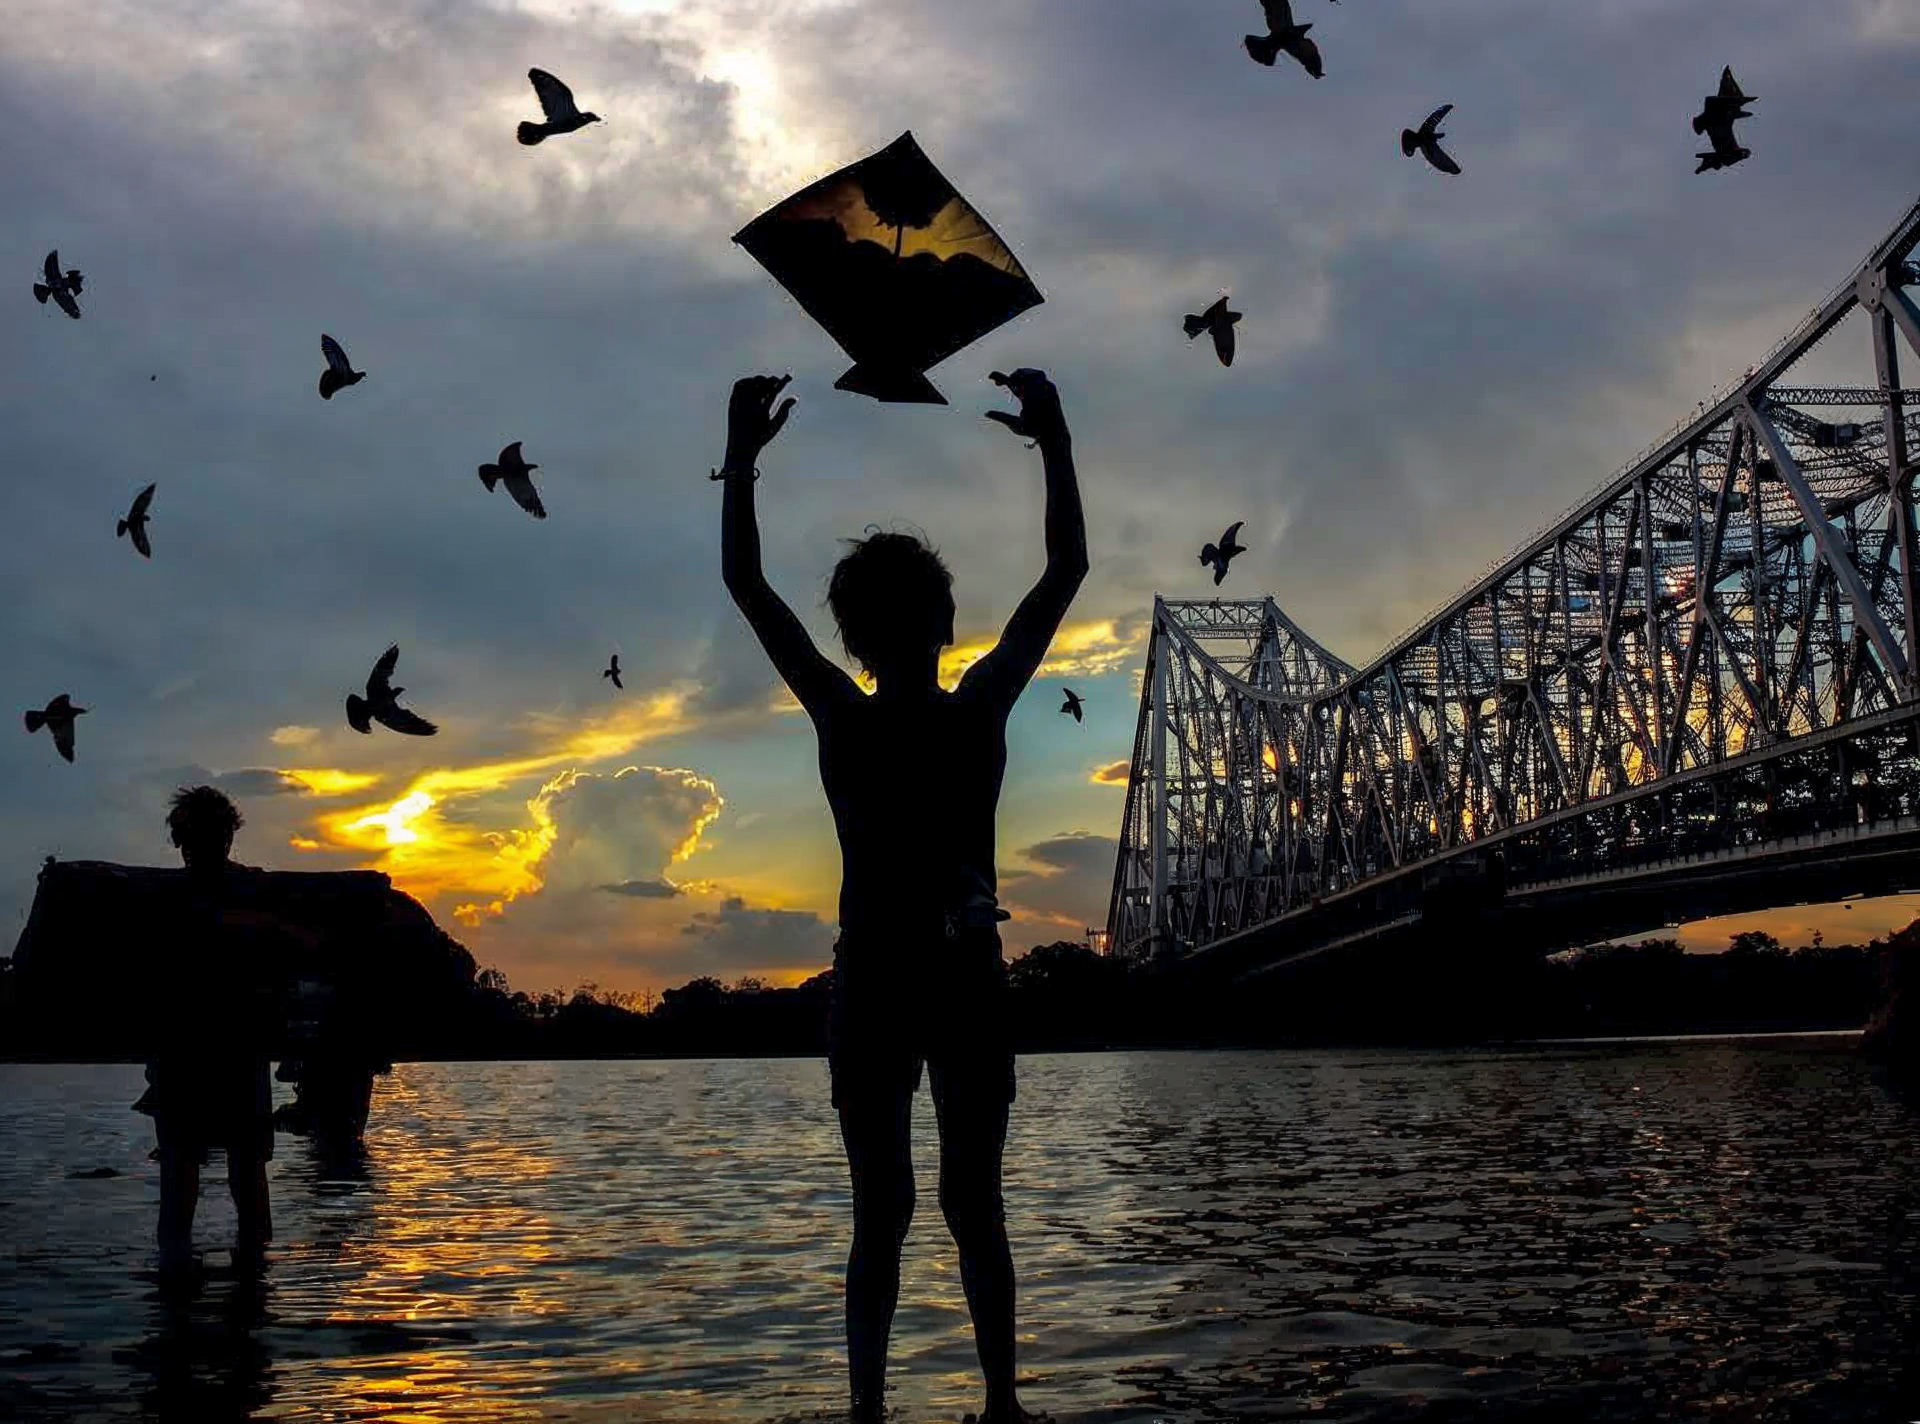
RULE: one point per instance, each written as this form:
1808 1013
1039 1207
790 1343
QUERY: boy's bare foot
1009 1414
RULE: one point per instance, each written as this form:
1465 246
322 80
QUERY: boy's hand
1040 419
752 421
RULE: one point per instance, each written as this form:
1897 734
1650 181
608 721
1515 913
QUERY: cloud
1064 884
257 781
1428 370
1114 773
739 936
645 889
428 840
591 887
1091 648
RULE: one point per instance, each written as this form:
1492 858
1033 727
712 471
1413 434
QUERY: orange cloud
428 851
1114 773
1089 649
325 781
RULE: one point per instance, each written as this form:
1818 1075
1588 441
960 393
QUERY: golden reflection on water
453 1235
1230 1236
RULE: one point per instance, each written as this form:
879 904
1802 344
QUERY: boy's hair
890 591
202 810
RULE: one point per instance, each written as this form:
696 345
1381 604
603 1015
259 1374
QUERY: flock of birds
381 700
1715 121
562 115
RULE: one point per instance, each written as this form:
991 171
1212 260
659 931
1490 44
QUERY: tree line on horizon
1066 997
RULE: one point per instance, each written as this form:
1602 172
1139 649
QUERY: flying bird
1218 320
63 287
1425 141
57 717
516 474
339 372
613 671
556 102
1285 37
382 703
1073 704
134 526
1224 552
1715 120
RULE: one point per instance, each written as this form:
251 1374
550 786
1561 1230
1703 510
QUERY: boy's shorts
932 999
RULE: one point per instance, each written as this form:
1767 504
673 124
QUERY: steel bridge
1692 694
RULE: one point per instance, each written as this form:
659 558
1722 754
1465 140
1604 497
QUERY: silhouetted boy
207 1078
913 774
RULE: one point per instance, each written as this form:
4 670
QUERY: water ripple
1618 1231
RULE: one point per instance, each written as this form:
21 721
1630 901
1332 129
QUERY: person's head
893 599
202 822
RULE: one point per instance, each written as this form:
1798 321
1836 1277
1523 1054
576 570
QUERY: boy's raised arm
751 424
1028 634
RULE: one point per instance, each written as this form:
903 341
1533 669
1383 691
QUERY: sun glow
425 839
396 819
326 781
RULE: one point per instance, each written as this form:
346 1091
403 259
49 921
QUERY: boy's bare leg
880 1161
973 1137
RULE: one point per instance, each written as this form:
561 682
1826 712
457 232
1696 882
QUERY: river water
1676 1229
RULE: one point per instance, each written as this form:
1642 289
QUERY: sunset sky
1428 370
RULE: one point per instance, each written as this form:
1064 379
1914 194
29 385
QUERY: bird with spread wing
382 704
1425 141
57 717
1715 120
339 372
134 526
556 102
1218 320
516 474
1224 553
63 287
1285 37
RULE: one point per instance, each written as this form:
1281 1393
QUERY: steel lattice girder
1745 586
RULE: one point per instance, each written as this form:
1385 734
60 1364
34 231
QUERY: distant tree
749 984
702 995
1753 942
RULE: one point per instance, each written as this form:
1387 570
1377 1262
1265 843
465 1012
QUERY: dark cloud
740 936
645 889
1074 852
258 781
1067 887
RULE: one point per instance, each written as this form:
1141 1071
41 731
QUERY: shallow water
1721 1230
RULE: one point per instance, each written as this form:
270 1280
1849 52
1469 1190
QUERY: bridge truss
1715 651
